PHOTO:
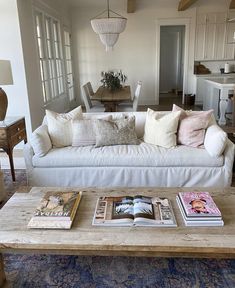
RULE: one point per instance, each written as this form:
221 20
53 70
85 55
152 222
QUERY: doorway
172 53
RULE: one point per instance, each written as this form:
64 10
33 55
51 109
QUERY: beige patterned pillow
160 128
118 132
60 126
84 132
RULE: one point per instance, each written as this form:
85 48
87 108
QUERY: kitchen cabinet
212 34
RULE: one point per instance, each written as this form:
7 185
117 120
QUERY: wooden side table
12 132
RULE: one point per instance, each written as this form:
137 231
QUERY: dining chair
91 93
90 107
131 106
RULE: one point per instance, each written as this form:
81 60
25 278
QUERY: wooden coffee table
85 239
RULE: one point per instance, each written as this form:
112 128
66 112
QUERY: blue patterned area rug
44 271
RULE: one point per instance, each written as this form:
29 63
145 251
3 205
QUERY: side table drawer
18 137
17 127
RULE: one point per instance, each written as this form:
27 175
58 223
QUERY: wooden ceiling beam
185 4
131 6
232 4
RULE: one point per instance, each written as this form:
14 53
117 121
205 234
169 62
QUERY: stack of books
56 210
199 209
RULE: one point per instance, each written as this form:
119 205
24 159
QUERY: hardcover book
199 221
138 210
57 209
198 204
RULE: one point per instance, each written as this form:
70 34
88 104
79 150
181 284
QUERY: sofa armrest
229 159
28 156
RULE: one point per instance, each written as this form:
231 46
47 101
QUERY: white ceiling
101 4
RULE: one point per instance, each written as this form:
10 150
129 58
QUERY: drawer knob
18 129
19 137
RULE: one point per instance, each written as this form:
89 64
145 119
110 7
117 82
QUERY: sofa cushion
40 141
161 128
60 126
84 132
192 126
215 140
143 155
117 132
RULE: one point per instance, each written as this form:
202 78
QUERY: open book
138 210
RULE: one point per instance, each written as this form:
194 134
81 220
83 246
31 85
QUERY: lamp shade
5 73
109 29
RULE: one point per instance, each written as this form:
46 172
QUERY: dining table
111 98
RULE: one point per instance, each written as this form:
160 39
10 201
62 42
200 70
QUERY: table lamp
5 79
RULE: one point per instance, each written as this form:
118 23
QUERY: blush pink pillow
192 126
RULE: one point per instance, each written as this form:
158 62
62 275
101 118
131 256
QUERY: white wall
135 51
11 49
59 10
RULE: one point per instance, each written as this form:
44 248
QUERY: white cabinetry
212 34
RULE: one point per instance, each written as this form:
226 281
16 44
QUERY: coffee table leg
2 273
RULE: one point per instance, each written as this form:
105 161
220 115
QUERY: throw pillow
215 140
192 126
118 132
84 132
160 128
60 126
40 141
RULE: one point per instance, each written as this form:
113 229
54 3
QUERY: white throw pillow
215 140
60 126
160 128
84 132
40 141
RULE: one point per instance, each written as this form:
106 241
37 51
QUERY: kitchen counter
224 85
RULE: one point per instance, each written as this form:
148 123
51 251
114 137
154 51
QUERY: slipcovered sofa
143 165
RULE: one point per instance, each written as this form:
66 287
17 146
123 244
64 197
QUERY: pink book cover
199 204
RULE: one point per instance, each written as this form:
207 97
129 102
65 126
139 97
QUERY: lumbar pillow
192 126
84 131
118 132
40 141
160 128
60 126
215 140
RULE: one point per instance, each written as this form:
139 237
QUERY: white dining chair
131 106
90 107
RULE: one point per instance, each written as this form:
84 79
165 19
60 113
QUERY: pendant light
108 28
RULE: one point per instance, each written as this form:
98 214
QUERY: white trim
172 22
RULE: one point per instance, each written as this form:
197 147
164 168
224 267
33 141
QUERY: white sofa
143 165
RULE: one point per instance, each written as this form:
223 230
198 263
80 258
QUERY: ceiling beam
185 4
131 6
232 4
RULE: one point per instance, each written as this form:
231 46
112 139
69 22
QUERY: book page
114 211
143 207
162 214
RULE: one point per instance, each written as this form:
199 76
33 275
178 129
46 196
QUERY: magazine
200 221
199 204
57 209
138 210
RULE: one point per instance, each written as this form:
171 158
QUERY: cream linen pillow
160 128
60 126
84 131
40 141
215 140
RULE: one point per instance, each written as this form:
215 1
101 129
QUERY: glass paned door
68 65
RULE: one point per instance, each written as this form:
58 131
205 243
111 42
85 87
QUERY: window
50 56
68 65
